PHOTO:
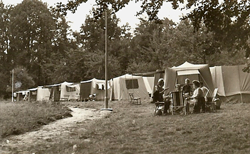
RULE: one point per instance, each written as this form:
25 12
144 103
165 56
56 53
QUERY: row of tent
118 89
233 84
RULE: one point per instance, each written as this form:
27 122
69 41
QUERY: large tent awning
188 72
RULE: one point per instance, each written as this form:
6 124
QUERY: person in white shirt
196 97
205 92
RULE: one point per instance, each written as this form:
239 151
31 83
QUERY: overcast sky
126 15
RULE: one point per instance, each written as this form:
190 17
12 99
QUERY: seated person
195 99
158 95
205 92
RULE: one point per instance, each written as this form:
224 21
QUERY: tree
229 20
153 44
22 79
70 67
32 27
65 59
194 46
5 36
93 38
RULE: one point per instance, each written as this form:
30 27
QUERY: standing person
197 96
204 99
186 92
187 89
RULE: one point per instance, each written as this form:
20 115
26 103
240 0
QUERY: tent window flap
132 84
188 72
70 88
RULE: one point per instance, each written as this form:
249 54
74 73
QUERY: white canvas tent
38 94
123 85
233 84
42 93
93 86
64 91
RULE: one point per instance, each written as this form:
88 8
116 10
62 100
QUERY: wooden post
12 89
106 60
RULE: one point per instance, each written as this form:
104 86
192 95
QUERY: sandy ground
53 132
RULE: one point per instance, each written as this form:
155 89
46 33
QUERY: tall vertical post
12 84
106 60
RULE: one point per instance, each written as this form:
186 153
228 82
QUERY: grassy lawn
134 129
19 117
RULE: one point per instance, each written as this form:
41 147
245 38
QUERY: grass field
134 129
19 117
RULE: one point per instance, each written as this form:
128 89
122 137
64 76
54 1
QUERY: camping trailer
69 91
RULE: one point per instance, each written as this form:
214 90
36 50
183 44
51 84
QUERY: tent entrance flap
188 72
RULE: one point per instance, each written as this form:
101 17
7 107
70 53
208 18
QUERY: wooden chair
134 100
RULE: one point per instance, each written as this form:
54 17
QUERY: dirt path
51 133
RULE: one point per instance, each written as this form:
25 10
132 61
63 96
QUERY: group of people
194 97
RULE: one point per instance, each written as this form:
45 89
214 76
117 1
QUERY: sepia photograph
124 77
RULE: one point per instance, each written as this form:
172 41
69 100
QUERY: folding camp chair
215 100
136 100
212 103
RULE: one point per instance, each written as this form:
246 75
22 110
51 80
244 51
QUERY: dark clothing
202 104
187 89
166 106
157 97
158 94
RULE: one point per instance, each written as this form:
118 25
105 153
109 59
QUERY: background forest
38 44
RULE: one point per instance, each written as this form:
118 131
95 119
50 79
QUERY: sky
126 15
